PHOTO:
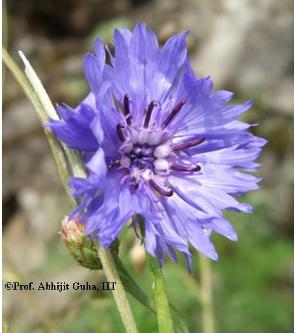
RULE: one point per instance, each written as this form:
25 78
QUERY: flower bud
81 247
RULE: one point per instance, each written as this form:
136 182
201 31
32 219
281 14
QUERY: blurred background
246 46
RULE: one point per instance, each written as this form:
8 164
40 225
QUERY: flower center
141 156
147 152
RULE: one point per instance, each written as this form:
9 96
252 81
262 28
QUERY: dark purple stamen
126 109
126 105
135 224
129 120
120 133
173 113
149 113
135 182
184 168
161 190
188 144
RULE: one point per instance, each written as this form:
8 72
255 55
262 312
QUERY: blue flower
157 143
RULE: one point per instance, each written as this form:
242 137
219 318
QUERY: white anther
154 138
162 151
125 162
161 164
146 175
143 136
128 148
136 174
134 137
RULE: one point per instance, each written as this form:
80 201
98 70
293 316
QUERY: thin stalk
206 295
36 93
165 323
40 92
49 112
25 85
132 287
119 294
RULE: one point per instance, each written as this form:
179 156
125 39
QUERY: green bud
80 246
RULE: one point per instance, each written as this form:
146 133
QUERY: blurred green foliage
105 29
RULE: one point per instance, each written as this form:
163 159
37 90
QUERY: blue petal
222 227
93 66
97 164
199 237
74 128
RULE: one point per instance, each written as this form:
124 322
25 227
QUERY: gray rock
250 45
19 121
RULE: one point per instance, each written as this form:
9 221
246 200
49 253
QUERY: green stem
132 287
39 90
34 90
134 290
165 323
56 149
49 112
206 295
119 294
